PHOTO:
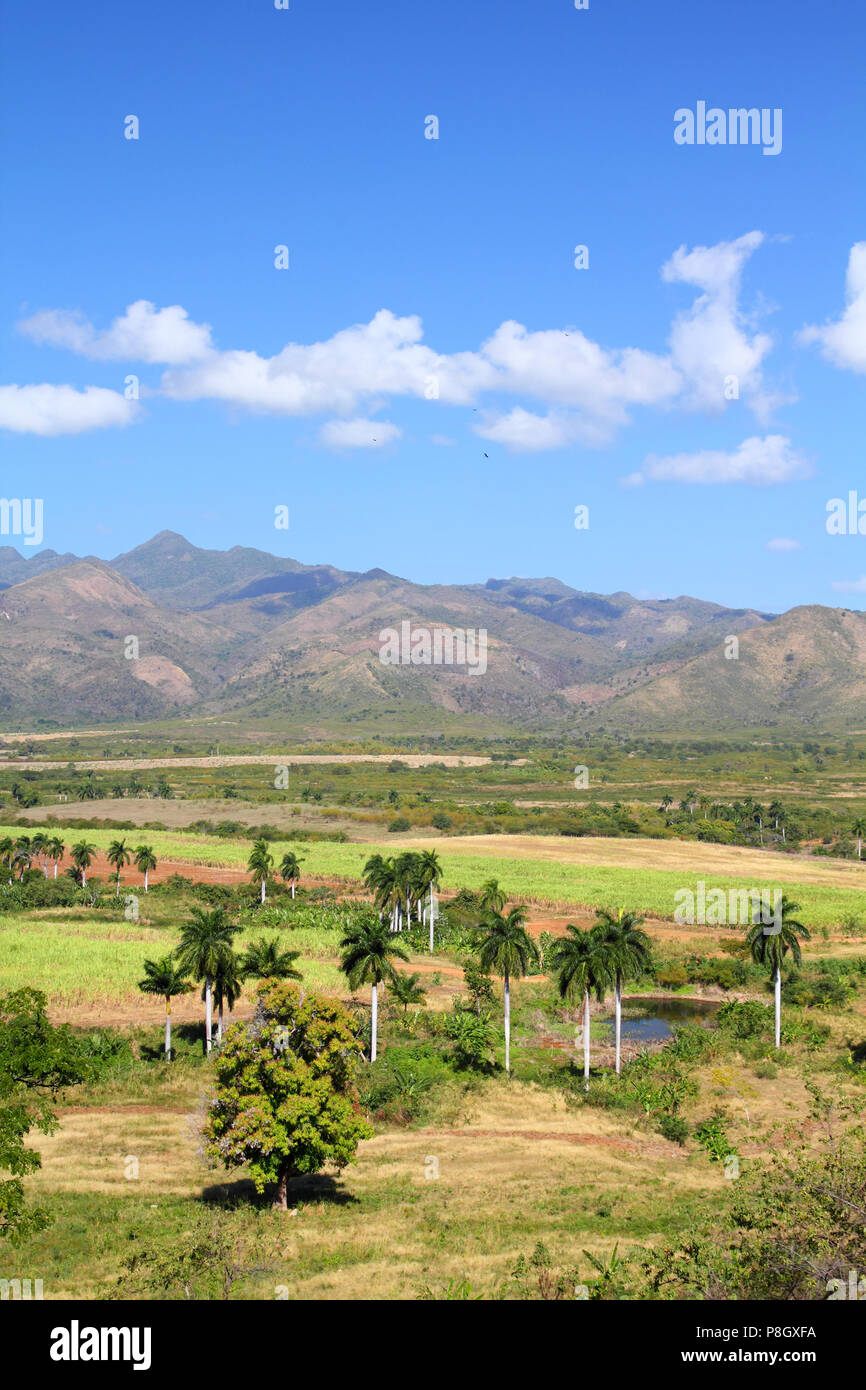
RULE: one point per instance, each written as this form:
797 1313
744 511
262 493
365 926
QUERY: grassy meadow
473 1185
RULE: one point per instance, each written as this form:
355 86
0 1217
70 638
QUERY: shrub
399 823
672 977
674 1127
713 1136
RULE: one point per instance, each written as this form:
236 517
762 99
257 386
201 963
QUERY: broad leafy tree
37 1061
286 1102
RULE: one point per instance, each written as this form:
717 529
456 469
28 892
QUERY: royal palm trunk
208 1012
507 993
586 1039
777 990
374 1019
168 1027
618 1012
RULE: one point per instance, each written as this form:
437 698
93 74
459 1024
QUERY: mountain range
241 631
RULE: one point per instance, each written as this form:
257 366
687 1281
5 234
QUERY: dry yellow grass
432 1205
688 856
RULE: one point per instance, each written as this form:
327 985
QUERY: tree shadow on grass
187 1040
301 1192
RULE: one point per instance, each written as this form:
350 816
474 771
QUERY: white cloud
783 543
709 343
52 410
358 434
756 461
566 368
142 334
850 586
565 388
444 441
522 431
844 342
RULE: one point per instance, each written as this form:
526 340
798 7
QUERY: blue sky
444 266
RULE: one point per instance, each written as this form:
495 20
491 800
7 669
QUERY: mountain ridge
243 630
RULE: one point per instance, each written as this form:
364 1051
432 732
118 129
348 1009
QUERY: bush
441 821
672 977
713 1136
398 824
745 1019
674 1127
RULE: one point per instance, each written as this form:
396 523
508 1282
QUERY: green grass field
78 958
542 881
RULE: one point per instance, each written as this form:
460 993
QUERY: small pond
660 1015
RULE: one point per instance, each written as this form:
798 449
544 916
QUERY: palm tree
769 943
81 855
581 968
261 863
507 948
163 977
380 877
264 960
56 851
290 869
405 869
226 986
407 989
859 829
118 855
431 871
7 854
205 942
491 898
145 860
367 950
626 950
22 856
373 873
39 846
